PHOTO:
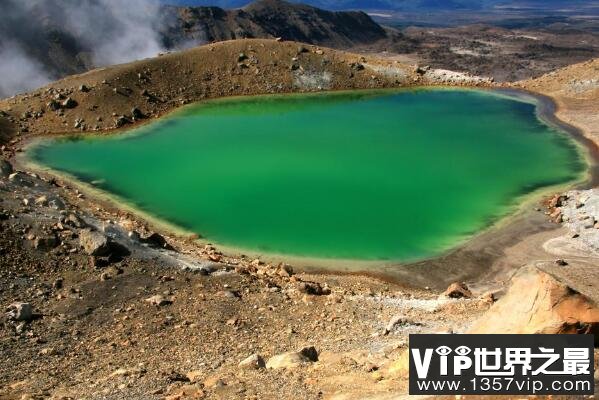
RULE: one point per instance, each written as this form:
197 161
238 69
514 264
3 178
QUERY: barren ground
96 335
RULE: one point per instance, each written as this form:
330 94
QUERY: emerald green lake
391 175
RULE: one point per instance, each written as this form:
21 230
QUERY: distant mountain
398 5
270 19
346 4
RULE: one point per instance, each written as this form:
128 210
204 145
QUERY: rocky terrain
506 54
100 304
109 98
58 49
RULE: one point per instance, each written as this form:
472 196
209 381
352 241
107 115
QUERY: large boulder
538 302
94 243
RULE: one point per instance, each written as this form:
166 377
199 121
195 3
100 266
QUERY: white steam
101 32
117 31
18 72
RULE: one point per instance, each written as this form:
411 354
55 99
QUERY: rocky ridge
123 95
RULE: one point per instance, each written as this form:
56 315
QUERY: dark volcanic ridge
44 41
271 19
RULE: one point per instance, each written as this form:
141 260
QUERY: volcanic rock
5 168
136 113
293 359
255 361
156 240
313 288
458 290
94 243
538 303
46 241
69 103
21 178
20 312
158 300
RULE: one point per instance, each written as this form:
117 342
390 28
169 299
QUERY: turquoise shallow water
371 176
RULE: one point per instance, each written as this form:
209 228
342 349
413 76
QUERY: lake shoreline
437 271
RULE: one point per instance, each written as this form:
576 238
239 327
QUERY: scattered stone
242 57
75 221
158 300
195 375
231 294
53 105
293 359
121 121
313 288
20 312
558 200
105 276
285 270
155 239
422 70
83 89
557 216
46 241
393 322
136 113
488 298
94 243
69 103
5 168
175 376
41 201
458 290
99 262
589 223
21 178
56 203
255 361
134 236
194 391
58 284
561 262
